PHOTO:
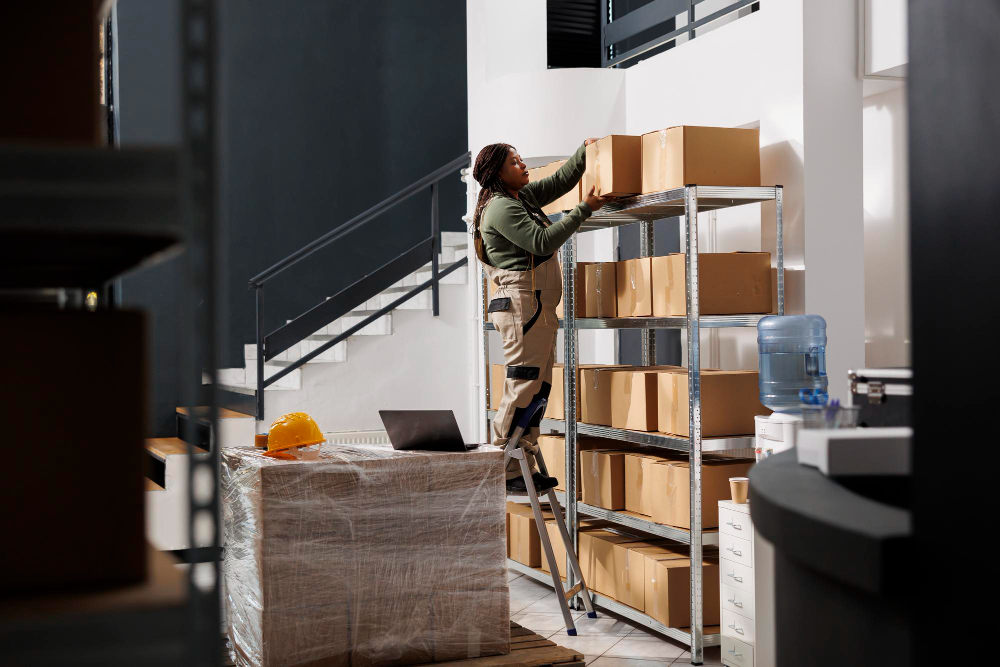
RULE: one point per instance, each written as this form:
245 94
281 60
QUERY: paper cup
739 488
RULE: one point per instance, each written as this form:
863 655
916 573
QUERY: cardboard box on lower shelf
595 394
597 560
579 291
630 568
729 402
600 290
555 408
639 490
559 548
730 283
634 404
602 478
668 589
671 496
524 545
635 287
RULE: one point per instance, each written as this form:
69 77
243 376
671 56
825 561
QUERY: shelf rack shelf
615 607
648 438
685 202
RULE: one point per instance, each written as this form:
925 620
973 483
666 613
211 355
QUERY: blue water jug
792 352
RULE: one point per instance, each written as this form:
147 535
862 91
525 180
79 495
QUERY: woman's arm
547 190
508 218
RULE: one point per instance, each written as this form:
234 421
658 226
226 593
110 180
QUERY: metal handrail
361 219
328 311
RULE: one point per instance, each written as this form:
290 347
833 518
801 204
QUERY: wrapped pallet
365 556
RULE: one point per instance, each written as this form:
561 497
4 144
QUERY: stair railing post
435 249
259 399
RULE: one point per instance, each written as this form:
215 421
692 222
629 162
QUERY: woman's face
514 174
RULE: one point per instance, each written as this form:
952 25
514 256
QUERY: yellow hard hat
296 429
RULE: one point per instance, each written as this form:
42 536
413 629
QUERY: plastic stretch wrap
365 556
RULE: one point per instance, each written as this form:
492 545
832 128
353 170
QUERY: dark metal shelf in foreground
649 439
706 322
619 609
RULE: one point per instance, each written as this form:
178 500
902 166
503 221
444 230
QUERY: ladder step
573 591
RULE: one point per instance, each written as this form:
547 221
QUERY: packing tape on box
663 138
631 271
600 300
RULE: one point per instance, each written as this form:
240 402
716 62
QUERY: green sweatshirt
511 235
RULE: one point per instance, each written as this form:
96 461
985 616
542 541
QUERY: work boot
542 483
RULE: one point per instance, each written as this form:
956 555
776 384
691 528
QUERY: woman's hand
592 200
590 141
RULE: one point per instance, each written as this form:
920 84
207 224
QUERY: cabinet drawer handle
734 551
734 577
733 653
735 603
733 627
735 526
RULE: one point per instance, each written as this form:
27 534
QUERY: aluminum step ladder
530 418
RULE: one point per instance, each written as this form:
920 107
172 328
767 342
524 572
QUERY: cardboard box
595 395
559 548
629 565
498 375
689 155
568 201
730 283
348 536
602 478
525 546
555 409
671 495
55 93
600 289
634 404
729 402
614 166
597 560
668 590
639 493
635 287
67 480
553 448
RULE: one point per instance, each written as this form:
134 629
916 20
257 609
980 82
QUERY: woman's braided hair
486 171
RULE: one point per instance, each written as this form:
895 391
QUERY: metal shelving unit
685 202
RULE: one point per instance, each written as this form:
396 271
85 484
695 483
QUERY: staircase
454 249
303 364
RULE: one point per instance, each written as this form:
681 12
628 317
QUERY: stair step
161 448
454 239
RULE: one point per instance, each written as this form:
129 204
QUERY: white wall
886 204
885 37
422 365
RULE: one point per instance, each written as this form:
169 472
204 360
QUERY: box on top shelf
730 283
672 490
690 155
729 402
635 287
614 166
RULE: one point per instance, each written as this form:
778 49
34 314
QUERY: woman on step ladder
517 244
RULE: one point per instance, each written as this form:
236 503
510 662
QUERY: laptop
429 430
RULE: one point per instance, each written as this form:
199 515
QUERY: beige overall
523 309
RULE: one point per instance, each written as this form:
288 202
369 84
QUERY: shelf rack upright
684 202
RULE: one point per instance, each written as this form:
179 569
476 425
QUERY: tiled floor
605 641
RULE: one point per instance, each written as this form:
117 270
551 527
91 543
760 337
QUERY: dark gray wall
326 109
